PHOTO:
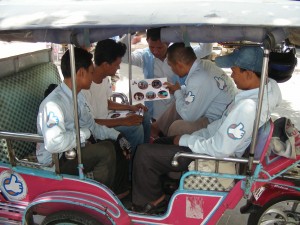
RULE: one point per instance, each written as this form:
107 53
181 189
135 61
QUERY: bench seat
20 96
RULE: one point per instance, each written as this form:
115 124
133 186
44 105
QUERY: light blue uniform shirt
145 59
231 135
207 92
55 122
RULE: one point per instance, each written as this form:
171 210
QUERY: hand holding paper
138 107
172 87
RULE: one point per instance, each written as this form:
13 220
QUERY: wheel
283 211
70 218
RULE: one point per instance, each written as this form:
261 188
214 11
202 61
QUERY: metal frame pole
76 120
259 107
129 66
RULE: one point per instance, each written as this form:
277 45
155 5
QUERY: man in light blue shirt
228 136
55 122
154 64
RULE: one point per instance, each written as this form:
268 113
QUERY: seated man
154 64
201 100
136 128
228 136
55 121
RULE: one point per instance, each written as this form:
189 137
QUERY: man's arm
194 102
131 120
118 106
227 137
56 137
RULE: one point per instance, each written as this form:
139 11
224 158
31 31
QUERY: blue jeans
137 135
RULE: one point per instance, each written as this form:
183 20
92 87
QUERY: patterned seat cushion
20 96
197 182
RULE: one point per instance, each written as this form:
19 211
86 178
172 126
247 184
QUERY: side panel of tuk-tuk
45 193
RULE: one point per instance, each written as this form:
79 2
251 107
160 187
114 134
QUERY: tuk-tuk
30 192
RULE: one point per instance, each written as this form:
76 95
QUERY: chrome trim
22 136
120 95
199 156
9 222
129 66
263 79
12 207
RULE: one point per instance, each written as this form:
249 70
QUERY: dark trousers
105 160
150 162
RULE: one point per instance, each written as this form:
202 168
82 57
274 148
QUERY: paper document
119 114
149 89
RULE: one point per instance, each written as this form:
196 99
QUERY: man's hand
125 146
137 107
132 120
172 87
176 140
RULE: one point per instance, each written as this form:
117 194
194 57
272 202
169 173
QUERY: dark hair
82 59
108 51
50 88
178 52
153 34
258 74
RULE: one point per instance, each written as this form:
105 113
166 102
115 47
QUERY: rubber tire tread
71 216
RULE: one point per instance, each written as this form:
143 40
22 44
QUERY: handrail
30 138
199 156
120 95
30 163
22 136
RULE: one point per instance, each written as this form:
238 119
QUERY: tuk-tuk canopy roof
78 20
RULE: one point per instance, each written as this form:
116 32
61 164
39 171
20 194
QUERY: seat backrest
263 140
20 96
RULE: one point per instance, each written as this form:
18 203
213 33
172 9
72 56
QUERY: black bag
282 65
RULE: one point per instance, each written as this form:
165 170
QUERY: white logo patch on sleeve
52 120
189 97
221 83
236 131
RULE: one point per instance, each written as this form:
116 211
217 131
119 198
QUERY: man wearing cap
228 136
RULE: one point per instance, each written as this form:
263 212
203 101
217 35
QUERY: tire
283 210
70 218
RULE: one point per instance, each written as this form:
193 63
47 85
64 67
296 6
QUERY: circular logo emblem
13 186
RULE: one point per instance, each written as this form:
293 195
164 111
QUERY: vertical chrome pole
129 66
259 106
76 120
